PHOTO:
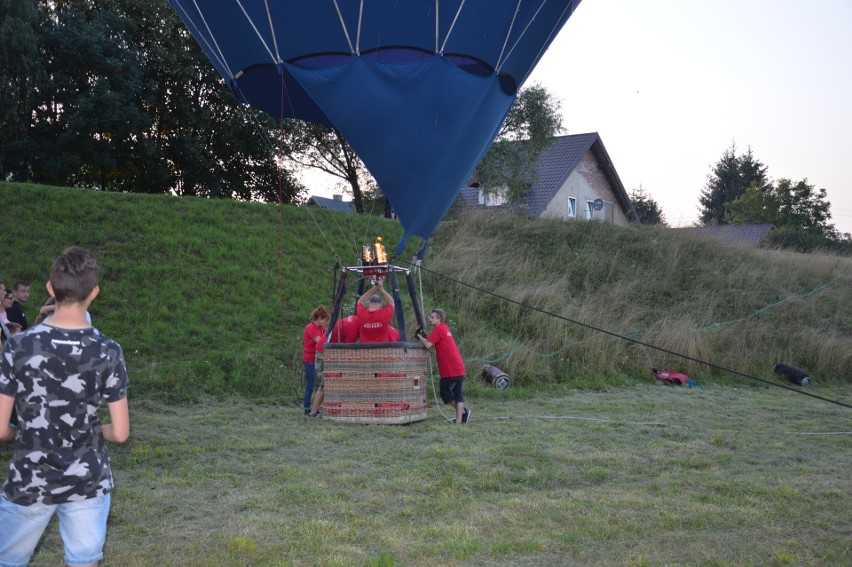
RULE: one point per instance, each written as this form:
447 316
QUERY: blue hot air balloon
419 88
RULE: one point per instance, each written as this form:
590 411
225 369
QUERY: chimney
337 197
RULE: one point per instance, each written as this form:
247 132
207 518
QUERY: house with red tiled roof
576 180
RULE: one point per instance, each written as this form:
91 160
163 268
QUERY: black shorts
451 389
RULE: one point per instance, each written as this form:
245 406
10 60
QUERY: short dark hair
19 285
74 274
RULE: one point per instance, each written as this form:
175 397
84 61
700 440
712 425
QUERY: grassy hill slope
205 296
210 297
741 309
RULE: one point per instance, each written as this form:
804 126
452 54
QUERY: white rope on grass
596 419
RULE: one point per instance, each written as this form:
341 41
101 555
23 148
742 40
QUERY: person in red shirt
314 333
345 331
450 363
393 334
372 316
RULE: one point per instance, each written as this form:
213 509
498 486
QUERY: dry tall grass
737 308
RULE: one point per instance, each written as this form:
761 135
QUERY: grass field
584 461
639 475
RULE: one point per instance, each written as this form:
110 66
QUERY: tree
87 116
130 103
647 209
315 146
20 73
798 208
731 177
532 123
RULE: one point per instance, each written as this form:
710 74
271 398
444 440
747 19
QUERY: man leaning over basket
450 363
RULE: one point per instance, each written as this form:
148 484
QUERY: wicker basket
375 382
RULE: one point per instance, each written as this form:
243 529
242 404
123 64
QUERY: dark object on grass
496 377
670 377
794 375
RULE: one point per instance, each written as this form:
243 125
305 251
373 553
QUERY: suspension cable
633 340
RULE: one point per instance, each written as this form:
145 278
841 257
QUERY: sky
671 84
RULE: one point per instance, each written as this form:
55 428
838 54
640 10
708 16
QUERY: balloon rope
272 32
450 31
220 56
632 340
346 237
369 218
343 25
508 34
500 64
570 6
438 401
322 232
215 52
281 216
257 33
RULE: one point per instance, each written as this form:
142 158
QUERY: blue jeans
82 525
310 379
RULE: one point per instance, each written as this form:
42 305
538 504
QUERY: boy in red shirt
450 363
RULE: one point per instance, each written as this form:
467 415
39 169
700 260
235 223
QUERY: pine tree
731 177
647 209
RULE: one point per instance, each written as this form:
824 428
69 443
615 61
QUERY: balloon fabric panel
417 127
418 88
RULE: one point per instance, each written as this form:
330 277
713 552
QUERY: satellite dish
597 204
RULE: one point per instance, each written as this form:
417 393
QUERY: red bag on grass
670 376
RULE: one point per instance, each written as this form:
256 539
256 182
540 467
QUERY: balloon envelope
419 88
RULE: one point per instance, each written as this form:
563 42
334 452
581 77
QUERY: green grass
740 309
584 461
640 475
206 297
209 297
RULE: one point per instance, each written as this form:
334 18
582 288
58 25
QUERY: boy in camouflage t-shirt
57 375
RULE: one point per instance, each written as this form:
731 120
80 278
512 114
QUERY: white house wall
586 183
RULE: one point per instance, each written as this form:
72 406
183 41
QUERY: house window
605 214
492 198
572 207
